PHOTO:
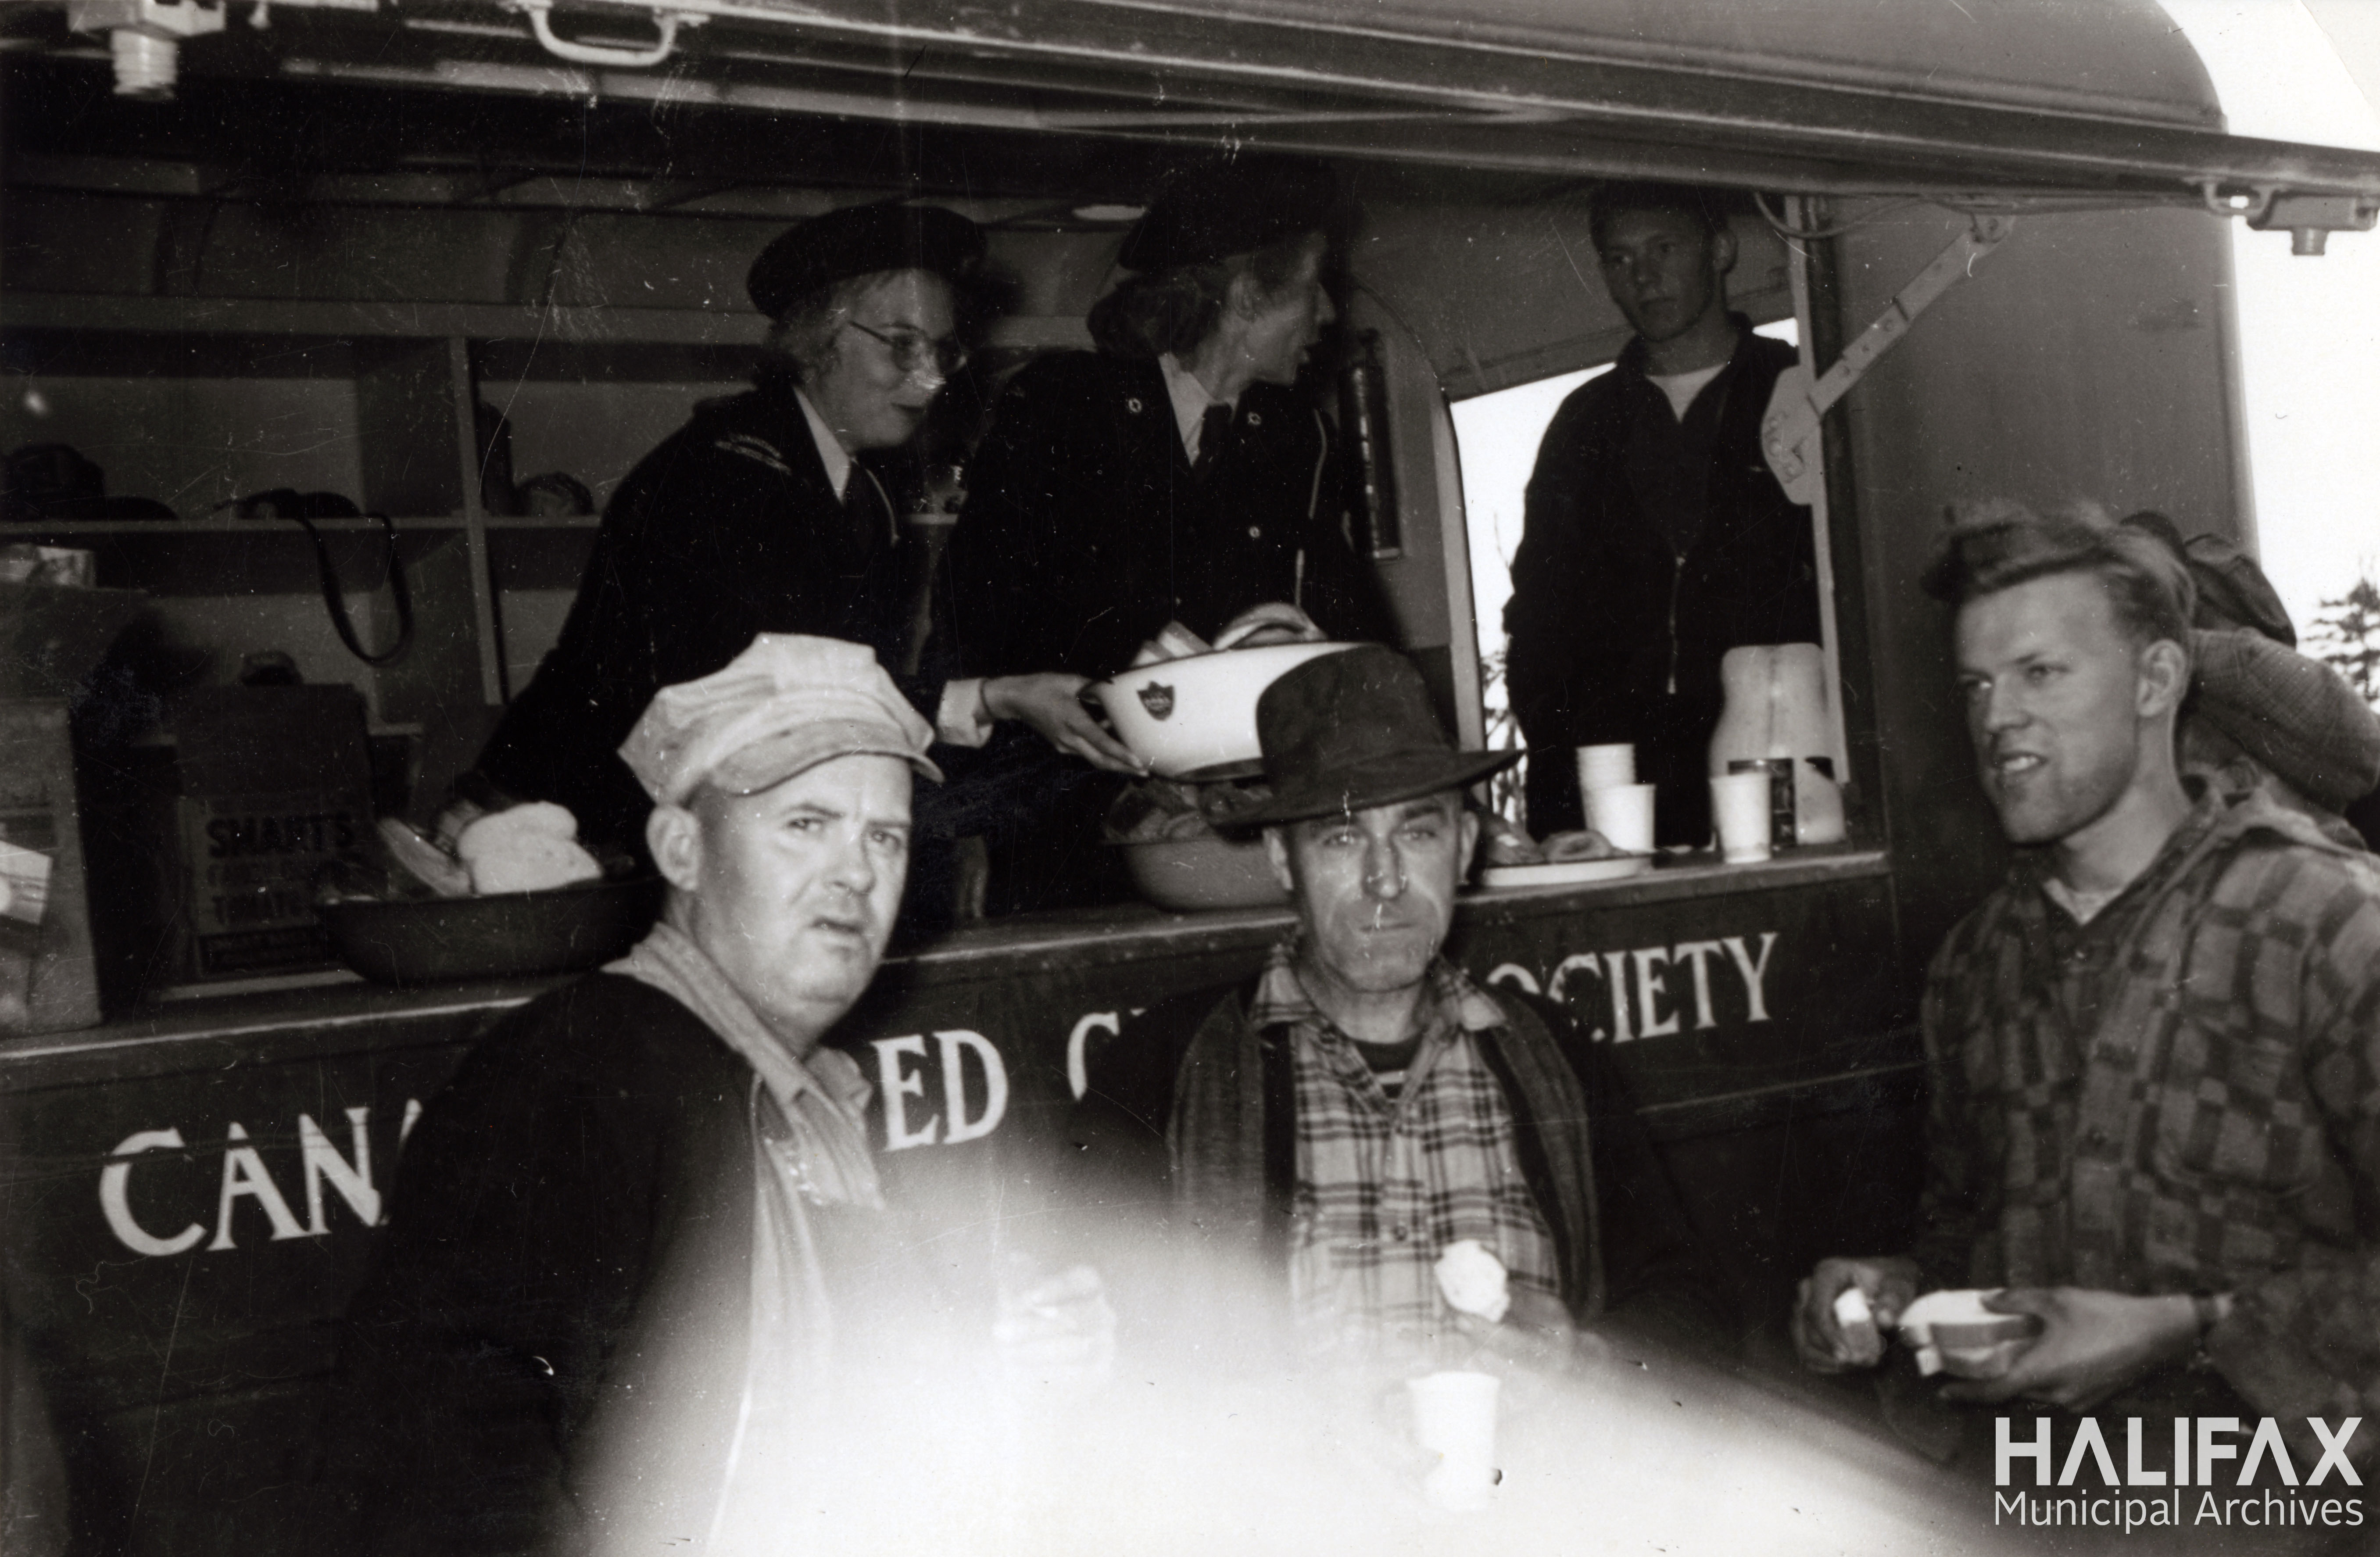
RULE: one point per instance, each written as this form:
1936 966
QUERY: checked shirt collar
1450 1002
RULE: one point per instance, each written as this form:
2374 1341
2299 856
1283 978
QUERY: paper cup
1624 815
1454 1417
1605 766
1739 807
1782 809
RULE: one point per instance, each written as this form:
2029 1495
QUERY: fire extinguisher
1371 474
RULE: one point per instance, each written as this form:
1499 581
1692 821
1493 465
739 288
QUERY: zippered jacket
1616 635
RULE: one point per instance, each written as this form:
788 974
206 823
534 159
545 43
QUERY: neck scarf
821 1101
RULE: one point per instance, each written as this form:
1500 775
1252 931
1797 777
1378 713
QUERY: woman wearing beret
1175 474
756 517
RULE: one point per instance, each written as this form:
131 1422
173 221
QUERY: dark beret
2297 716
860 240
1236 207
2232 590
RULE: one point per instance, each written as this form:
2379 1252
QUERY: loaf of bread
526 848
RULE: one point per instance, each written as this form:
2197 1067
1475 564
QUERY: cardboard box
276 786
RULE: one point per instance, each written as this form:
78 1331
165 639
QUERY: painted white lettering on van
1651 986
1754 970
897 1085
1520 977
1557 987
244 1174
353 1183
412 1117
1694 952
1078 1043
995 1081
1615 979
116 1196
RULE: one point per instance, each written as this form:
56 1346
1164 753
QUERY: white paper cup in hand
1454 1417
1605 766
1624 815
1739 807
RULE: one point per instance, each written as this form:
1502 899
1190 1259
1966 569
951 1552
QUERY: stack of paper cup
1605 766
1740 805
1617 805
1454 1417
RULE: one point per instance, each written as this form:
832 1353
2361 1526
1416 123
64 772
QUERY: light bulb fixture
144 37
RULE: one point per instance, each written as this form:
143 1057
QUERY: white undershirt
2081 907
837 459
1190 401
1682 388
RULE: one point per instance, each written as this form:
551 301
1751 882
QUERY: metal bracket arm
1789 432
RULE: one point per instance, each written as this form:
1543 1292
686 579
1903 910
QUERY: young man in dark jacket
1654 539
1296 1155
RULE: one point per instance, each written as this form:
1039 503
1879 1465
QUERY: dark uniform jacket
594 1140
1621 1236
1617 634
1086 530
729 528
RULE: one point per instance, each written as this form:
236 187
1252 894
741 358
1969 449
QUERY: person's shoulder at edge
2265 841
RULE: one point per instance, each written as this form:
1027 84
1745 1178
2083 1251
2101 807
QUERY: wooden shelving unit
193 400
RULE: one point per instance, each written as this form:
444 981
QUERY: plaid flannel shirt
1384 1187
2182 1095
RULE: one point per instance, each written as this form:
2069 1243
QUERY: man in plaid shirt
1298 1152
2155 1116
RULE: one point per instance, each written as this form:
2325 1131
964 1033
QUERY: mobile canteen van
297 246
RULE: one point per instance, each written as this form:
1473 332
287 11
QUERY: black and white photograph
1205 778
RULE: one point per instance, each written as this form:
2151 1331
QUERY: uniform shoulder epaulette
754 447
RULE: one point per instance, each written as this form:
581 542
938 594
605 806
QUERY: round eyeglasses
913 351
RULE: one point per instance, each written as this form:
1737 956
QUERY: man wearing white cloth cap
608 1292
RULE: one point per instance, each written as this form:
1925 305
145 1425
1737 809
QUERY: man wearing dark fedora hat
1316 1140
